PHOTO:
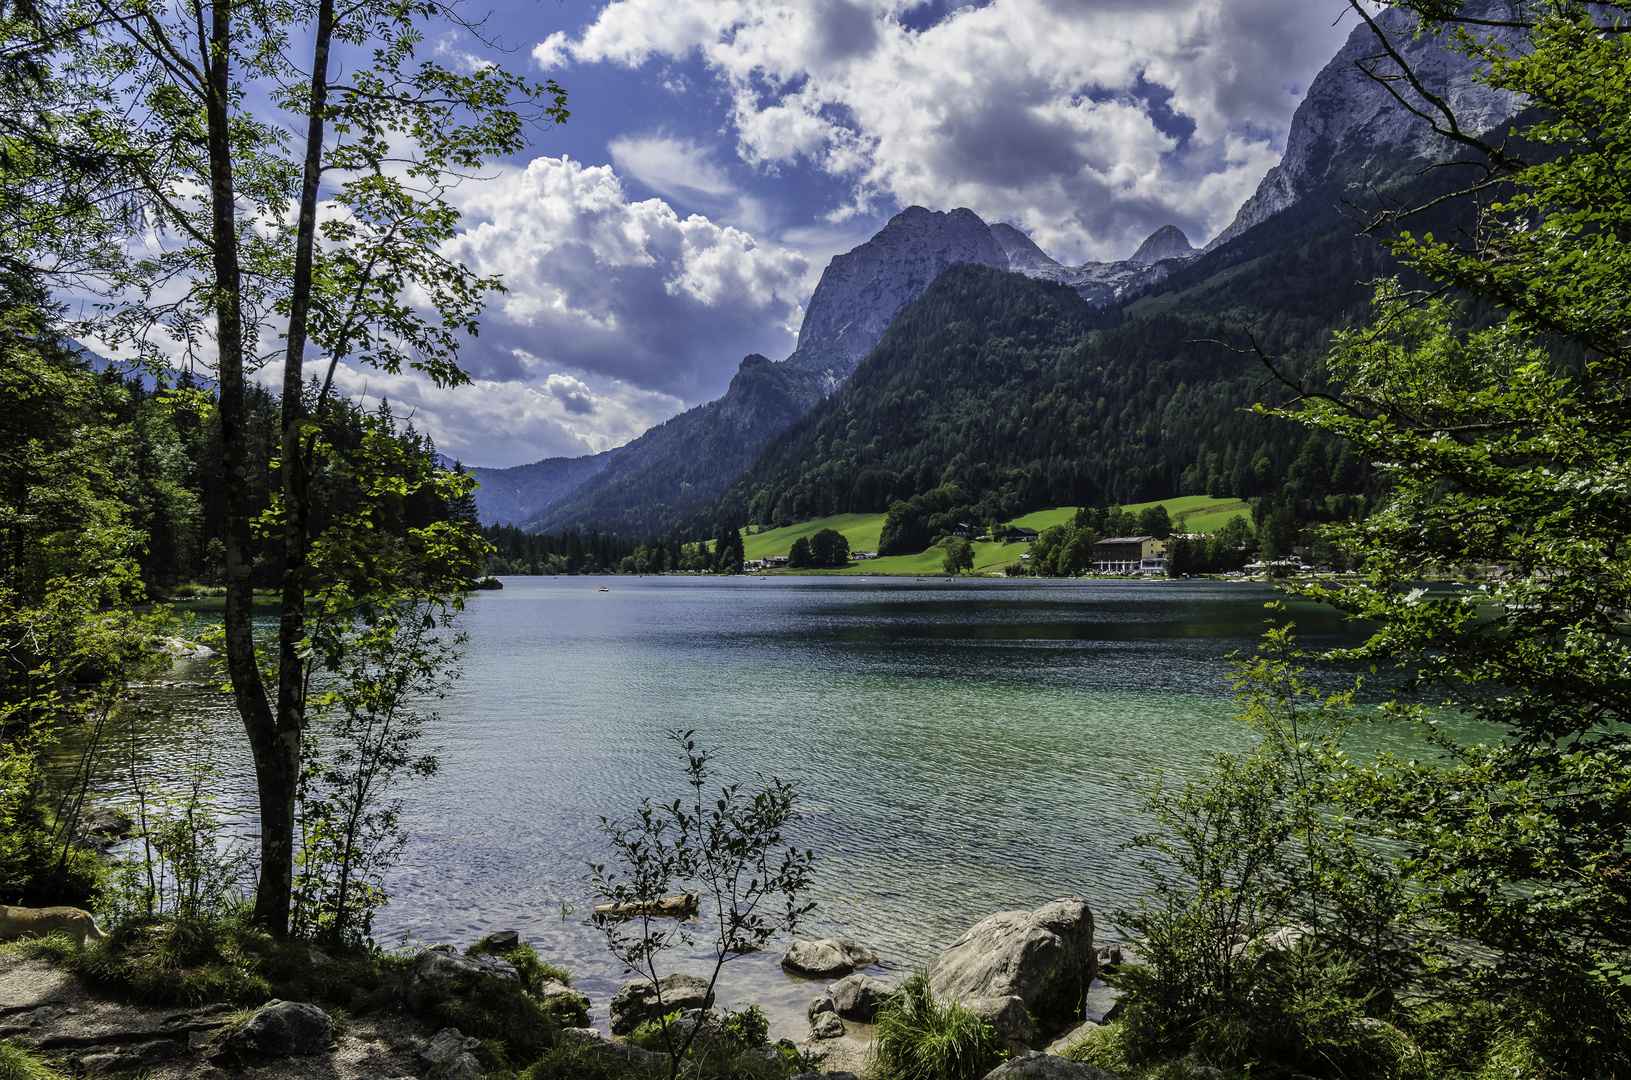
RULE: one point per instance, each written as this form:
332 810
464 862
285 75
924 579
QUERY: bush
920 1038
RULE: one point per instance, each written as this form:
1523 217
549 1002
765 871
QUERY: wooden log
669 907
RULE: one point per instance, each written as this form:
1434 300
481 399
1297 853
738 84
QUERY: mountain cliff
1351 118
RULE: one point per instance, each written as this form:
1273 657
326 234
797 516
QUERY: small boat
604 589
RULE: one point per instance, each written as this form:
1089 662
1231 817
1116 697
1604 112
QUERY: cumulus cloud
626 290
1088 125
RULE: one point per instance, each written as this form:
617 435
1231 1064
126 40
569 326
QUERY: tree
1153 521
247 249
800 557
732 846
1503 430
959 556
829 547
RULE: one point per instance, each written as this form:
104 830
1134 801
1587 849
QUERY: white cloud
1087 124
670 166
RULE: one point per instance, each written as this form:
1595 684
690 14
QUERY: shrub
920 1038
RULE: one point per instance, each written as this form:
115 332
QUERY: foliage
959 556
517 552
829 547
367 725
731 847
919 1037
17 1062
1506 446
800 557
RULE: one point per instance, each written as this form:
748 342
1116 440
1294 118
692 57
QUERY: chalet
1130 555
1021 534
859 556
773 561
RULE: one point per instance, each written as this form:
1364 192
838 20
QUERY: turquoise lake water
961 747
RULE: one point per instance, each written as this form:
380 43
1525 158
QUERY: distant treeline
520 553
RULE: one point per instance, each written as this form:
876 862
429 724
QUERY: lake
961 747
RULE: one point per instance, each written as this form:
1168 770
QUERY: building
1021 534
1130 555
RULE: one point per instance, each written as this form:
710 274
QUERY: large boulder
827 958
1008 1017
1039 1066
859 997
638 1001
1044 957
284 1029
451 1048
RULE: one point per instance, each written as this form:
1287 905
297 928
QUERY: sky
720 152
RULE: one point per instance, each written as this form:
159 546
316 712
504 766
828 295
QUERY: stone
131 1058
463 1067
1071 1038
504 939
446 1045
826 1026
591 1039
438 968
1039 1066
564 1002
837 1074
284 1029
819 1005
638 1002
1045 957
827 958
1007 1017
859 997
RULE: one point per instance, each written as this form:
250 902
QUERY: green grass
1191 513
18 1063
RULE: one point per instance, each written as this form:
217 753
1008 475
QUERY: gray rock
284 1029
819 1005
859 997
764 1053
1101 1002
1007 1017
827 958
561 999
143 1056
826 1026
441 968
591 1039
504 939
1071 1038
463 1067
446 1045
638 1000
1039 1066
1045 957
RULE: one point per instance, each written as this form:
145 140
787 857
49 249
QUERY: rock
826 1026
438 968
446 1045
827 958
1007 1017
859 997
284 1029
764 1053
638 1002
1039 1066
1071 1038
837 1074
504 940
592 1039
1206 1072
819 1005
1045 957
131 1058
1102 1002
564 1002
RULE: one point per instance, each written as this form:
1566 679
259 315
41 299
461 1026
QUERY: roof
1126 539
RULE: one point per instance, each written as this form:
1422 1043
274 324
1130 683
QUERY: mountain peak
1167 242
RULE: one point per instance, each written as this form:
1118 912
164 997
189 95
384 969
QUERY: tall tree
376 152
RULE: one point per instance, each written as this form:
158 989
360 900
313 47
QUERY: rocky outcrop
1040 1066
1008 1017
639 1000
284 1029
1348 112
1044 957
451 1049
825 958
440 969
1167 242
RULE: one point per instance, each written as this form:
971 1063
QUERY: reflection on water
961 747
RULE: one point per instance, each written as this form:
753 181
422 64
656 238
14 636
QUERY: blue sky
721 151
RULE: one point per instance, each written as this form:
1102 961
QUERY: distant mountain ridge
679 466
1348 133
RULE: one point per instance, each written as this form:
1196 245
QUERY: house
965 530
1130 555
1021 534
773 561
858 556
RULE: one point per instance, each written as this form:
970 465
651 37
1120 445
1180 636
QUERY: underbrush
921 1038
196 961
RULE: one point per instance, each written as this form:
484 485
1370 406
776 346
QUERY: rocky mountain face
1350 118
